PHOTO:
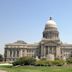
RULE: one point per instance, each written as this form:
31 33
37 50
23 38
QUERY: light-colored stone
2 71
49 47
50 57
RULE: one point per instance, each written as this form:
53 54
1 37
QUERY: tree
1 57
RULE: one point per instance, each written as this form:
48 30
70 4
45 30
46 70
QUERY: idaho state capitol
49 47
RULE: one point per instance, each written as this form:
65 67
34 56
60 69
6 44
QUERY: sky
25 20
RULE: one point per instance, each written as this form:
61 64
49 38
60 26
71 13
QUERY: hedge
24 61
42 62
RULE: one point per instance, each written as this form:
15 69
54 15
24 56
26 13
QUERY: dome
51 23
20 42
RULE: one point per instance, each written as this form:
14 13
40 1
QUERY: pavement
5 64
2 71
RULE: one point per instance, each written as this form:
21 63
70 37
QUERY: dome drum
50 34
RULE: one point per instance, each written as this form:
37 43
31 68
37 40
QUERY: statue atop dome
50 18
51 23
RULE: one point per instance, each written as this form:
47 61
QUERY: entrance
50 50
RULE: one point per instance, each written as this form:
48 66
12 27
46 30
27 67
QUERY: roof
51 23
20 42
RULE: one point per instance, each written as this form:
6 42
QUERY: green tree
1 57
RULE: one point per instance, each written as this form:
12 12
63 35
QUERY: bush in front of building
29 61
50 63
15 63
69 60
40 63
1 57
24 61
44 62
58 62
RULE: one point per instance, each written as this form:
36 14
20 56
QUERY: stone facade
49 47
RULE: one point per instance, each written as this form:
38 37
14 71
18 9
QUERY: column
8 53
16 53
52 50
42 51
48 50
25 52
58 52
12 53
20 53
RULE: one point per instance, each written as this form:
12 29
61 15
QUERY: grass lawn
37 69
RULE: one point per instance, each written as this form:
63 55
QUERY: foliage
24 61
58 62
1 58
50 63
69 60
40 63
43 62
43 59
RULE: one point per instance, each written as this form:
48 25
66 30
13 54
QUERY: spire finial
50 18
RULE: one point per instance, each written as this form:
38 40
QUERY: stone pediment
51 43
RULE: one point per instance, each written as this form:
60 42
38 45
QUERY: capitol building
49 47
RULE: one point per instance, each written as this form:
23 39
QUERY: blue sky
25 19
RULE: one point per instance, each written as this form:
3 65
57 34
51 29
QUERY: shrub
17 62
44 62
40 63
24 61
29 61
69 60
49 63
43 59
58 62
1 58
